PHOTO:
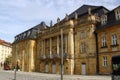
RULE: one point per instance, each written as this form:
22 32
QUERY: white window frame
83 48
103 19
104 41
105 61
114 39
117 14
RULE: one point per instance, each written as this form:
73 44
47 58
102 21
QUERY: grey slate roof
84 10
31 33
111 20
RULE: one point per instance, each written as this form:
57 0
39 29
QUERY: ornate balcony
42 57
49 56
56 55
66 55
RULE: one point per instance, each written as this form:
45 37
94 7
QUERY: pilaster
58 48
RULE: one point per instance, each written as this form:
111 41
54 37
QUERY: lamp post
61 54
15 66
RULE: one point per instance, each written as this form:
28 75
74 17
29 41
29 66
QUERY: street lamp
61 54
15 65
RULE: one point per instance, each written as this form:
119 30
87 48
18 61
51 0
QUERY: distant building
91 36
5 51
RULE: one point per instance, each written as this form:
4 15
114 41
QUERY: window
105 62
103 19
24 35
28 33
83 49
114 39
82 35
104 42
118 14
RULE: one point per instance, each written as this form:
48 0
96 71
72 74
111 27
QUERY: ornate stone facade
82 52
25 55
24 49
49 48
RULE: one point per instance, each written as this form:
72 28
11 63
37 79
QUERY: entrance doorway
83 69
46 68
54 68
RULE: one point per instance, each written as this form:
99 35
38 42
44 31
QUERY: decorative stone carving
76 15
51 23
58 20
66 17
89 11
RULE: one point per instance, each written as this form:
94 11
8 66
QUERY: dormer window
15 38
28 33
103 19
24 34
117 13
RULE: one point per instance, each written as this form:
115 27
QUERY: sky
16 16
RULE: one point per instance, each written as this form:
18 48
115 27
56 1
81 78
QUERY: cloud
17 16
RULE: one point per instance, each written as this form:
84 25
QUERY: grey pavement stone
9 75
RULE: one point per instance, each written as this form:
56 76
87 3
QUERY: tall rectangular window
118 14
103 19
105 62
83 49
104 44
82 35
114 39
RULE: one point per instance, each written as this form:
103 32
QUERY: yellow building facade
85 45
50 48
39 48
25 55
106 53
108 40
79 45
24 49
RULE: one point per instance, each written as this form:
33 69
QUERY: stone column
31 55
71 50
71 43
42 49
50 46
23 59
66 44
58 48
44 46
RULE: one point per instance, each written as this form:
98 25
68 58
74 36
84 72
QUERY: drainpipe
97 54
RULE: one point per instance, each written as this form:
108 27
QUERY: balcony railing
49 56
66 55
56 55
89 18
42 57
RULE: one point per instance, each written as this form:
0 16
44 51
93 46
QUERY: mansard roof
111 20
31 33
83 10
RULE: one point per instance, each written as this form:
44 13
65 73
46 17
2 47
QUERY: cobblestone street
9 75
